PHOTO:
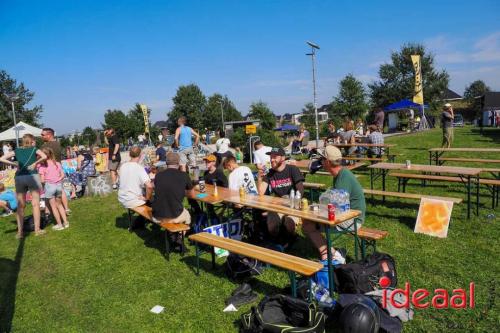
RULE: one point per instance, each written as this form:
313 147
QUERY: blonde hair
28 140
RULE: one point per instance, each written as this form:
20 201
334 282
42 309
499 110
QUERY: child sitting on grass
52 175
7 200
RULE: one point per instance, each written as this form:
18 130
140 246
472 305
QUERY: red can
331 212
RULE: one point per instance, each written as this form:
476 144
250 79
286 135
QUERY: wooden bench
472 160
492 184
369 159
313 188
285 261
410 195
169 227
369 237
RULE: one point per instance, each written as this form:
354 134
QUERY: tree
212 118
190 102
135 121
308 118
475 89
260 110
118 120
29 115
397 79
89 136
351 99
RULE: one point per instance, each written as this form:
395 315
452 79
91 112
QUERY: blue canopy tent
402 105
287 128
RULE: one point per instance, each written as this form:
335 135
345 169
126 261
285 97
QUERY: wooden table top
479 150
428 168
210 198
346 145
281 205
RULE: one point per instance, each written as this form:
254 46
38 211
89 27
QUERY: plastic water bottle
298 198
347 201
292 198
322 295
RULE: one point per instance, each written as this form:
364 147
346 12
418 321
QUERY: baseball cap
172 158
210 158
331 153
447 105
276 151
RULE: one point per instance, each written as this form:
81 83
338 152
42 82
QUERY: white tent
22 129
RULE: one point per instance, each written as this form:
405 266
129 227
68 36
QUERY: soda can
202 186
408 164
304 205
242 192
331 212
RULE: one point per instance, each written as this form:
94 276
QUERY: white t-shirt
260 157
133 178
242 176
5 149
222 145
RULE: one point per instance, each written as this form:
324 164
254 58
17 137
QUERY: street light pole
12 98
222 114
314 47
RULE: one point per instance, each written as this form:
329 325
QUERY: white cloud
488 48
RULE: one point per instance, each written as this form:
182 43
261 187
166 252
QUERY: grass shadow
151 234
257 284
9 273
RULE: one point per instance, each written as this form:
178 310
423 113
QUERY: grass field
98 277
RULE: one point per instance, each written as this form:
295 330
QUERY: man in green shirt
345 180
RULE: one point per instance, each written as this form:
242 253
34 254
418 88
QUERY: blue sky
83 57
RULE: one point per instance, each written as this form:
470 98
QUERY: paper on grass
157 309
230 308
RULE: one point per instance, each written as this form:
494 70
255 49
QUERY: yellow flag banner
419 94
144 110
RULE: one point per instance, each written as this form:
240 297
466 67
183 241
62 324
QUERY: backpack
280 313
239 267
29 223
364 276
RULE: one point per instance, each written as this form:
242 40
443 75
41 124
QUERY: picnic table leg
371 179
293 283
477 195
331 284
468 197
167 246
212 253
356 241
383 184
430 158
197 258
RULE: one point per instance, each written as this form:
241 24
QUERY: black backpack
239 267
29 223
280 313
364 276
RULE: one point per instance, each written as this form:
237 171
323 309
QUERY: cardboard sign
232 229
433 217
250 129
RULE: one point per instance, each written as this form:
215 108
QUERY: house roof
491 100
449 95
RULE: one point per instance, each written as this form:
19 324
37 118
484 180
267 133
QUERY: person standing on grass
184 142
345 180
7 201
27 179
52 175
49 141
114 157
260 157
447 117
379 117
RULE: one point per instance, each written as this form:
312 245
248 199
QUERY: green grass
98 277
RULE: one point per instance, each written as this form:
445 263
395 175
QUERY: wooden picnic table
281 206
462 172
436 153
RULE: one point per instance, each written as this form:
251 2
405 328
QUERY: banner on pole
419 94
144 110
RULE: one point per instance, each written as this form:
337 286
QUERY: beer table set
465 175
436 153
282 206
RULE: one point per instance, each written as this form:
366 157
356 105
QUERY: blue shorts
53 190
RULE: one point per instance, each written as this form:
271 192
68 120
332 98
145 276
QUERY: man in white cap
447 125
345 180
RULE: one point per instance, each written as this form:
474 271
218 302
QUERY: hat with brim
210 158
276 151
331 153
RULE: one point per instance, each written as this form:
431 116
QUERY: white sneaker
66 225
337 256
57 227
7 213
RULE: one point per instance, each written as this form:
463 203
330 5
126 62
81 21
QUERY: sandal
39 233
